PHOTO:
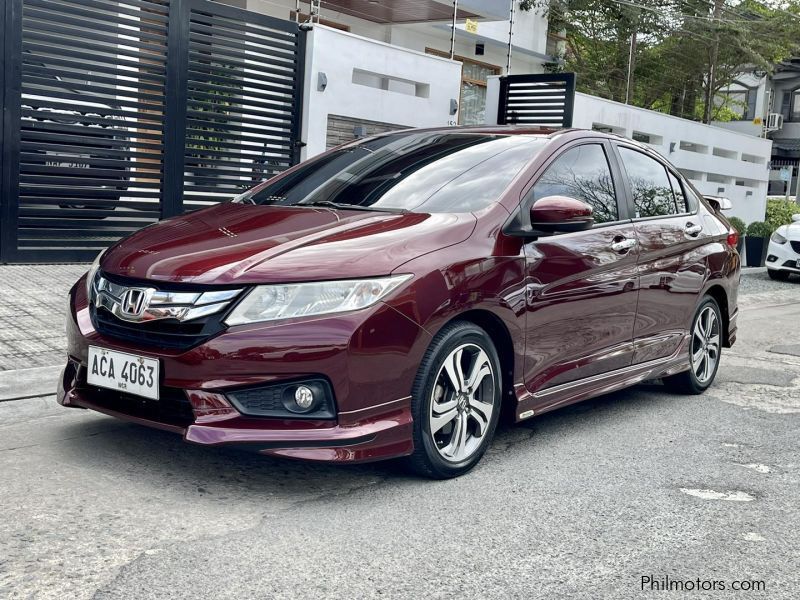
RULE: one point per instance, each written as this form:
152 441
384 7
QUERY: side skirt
530 404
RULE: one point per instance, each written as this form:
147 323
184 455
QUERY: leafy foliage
738 225
678 45
779 212
759 229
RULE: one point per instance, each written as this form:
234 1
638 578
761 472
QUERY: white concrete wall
717 161
339 54
530 29
530 33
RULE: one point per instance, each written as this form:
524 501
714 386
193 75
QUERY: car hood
241 243
793 231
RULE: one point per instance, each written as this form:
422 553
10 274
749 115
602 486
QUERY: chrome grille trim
157 304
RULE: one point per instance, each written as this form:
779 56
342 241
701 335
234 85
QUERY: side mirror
796 218
719 203
560 214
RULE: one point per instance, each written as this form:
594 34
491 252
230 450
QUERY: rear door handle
623 245
693 230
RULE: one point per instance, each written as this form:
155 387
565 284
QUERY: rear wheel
455 402
705 348
778 275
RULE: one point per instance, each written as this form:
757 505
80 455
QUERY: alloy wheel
705 345
462 403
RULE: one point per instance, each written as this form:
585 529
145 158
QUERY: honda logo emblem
135 301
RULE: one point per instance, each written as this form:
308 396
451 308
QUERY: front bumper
783 257
369 359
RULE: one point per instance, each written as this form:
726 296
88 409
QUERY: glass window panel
582 173
677 189
652 192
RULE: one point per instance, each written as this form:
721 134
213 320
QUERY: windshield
418 171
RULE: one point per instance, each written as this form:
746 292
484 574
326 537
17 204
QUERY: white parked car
783 254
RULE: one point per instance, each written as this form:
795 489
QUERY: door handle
693 230
623 245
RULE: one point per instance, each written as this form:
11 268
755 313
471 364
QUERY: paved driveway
580 503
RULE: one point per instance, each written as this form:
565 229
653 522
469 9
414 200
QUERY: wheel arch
719 294
503 342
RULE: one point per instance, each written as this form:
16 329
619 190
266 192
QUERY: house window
738 101
474 75
790 105
795 112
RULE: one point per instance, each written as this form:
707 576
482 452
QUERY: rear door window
650 185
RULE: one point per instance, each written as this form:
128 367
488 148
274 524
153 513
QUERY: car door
581 286
672 264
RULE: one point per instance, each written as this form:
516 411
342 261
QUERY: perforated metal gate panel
120 112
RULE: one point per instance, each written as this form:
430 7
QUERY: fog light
304 397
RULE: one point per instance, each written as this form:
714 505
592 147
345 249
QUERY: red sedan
389 297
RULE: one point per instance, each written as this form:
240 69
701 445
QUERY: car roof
547 132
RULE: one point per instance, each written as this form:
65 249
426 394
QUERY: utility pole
718 4
631 58
453 31
510 36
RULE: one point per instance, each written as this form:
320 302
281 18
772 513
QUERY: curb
29 383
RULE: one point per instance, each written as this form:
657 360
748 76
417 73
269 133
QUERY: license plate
798 263
123 372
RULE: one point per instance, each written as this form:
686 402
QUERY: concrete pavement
32 309
579 503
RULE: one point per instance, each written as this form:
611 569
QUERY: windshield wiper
342 206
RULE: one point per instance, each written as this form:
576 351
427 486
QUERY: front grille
168 333
172 407
795 246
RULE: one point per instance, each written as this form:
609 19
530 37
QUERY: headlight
92 274
777 238
272 302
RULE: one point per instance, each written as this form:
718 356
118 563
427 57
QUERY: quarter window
582 173
680 199
650 186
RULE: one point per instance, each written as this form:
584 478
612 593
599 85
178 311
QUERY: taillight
733 237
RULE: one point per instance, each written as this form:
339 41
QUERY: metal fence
117 113
537 100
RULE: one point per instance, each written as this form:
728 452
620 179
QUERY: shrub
738 225
759 229
779 212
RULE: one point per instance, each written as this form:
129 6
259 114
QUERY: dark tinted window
423 171
652 192
582 173
692 199
677 189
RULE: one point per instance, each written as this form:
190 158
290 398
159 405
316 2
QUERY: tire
705 351
442 413
778 275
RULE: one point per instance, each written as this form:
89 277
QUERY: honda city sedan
390 297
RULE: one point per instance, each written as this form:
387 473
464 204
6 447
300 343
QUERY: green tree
681 52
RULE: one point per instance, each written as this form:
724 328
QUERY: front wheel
455 401
705 347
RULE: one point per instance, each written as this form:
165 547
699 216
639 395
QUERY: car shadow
164 459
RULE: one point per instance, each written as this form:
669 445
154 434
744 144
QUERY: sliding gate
117 113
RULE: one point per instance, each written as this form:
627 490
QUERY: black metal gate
117 113
543 100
